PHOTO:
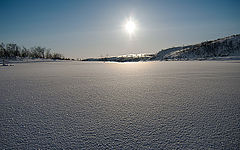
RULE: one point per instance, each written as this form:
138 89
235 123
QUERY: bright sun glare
130 26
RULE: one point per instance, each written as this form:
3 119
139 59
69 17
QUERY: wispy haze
93 28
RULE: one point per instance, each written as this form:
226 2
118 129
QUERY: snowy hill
161 54
220 49
228 46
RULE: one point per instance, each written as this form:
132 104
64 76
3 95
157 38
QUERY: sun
130 26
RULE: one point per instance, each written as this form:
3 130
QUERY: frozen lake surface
154 105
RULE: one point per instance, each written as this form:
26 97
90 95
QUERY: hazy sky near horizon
85 28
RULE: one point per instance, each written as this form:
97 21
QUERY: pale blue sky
81 29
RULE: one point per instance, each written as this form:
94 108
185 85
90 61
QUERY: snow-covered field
151 105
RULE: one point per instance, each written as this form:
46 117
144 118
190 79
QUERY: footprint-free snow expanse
153 105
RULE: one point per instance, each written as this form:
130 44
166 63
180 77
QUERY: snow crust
153 105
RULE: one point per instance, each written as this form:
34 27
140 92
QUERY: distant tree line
11 51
